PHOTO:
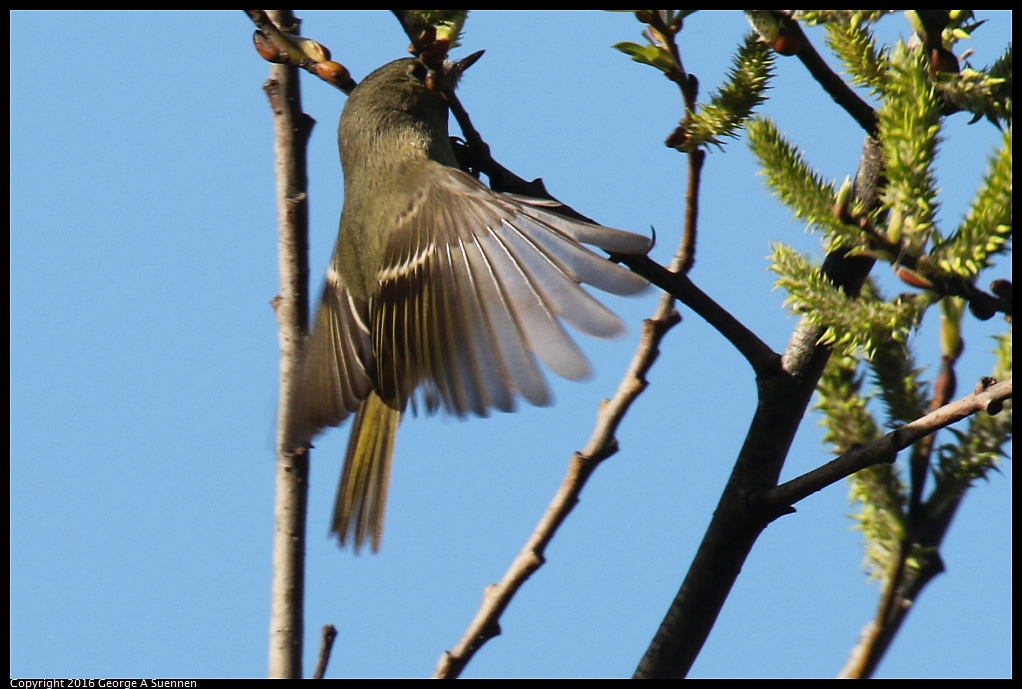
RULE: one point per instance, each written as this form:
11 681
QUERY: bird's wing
337 368
474 287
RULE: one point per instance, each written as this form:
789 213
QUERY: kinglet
441 292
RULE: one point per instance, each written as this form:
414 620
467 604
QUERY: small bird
441 292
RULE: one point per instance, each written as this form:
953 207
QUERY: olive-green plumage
441 292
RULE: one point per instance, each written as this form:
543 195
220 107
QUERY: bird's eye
419 71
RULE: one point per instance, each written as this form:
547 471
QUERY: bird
442 294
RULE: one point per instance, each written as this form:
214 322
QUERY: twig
475 157
926 526
988 399
763 360
291 132
326 643
686 257
602 444
833 84
282 45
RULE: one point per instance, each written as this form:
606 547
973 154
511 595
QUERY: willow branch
784 393
926 527
832 83
989 399
291 132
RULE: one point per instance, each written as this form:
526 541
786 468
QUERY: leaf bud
266 48
334 73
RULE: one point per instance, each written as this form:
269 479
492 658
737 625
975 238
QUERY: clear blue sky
144 369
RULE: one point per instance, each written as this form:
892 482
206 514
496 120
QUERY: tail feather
362 496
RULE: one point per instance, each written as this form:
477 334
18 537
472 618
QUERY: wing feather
337 370
476 287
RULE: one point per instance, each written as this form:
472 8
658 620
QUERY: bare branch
759 355
326 643
833 84
989 398
602 444
686 257
291 133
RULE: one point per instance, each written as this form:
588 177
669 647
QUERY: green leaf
647 55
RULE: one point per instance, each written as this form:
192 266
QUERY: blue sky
144 368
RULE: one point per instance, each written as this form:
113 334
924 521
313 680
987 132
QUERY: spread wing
337 369
474 290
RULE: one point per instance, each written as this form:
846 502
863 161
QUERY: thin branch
759 355
897 601
291 132
831 82
988 399
326 643
924 533
476 157
602 444
687 254
282 45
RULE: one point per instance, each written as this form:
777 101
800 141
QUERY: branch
833 84
759 355
686 257
602 444
784 395
474 156
285 47
917 559
988 397
291 132
326 643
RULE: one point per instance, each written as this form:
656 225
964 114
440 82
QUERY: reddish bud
943 60
266 49
1002 288
911 277
334 73
786 44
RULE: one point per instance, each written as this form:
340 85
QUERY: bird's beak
459 67
446 78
